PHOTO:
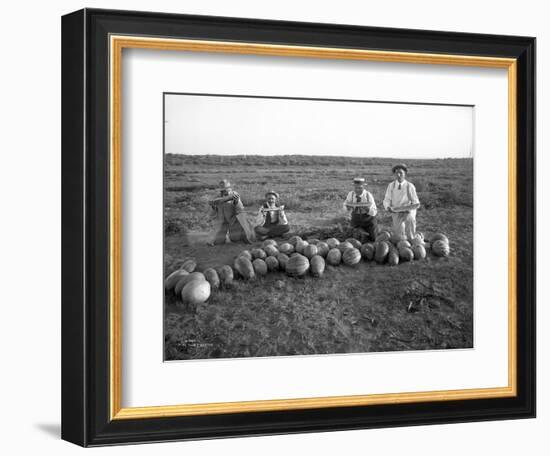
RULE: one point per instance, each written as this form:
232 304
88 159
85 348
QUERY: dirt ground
426 304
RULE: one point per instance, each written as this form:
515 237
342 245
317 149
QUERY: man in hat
362 207
230 217
272 221
402 201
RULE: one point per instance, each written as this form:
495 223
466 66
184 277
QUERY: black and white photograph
301 226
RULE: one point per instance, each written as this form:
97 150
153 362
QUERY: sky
220 125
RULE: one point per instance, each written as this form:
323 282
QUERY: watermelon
351 256
313 241
344 245
383 236
172 279
297 266
393 258
271 250
184 280
195 292
322 248
283 260
244 267
396 238
286 248
260 268
246 254
441 248
367 251
300 246
258 253
354 242
267 242
334 257
317 266
226 275
382 250
188 265
419 252
332 243
439 237
310 251
212 277
294 240
272 263
406 254
402 244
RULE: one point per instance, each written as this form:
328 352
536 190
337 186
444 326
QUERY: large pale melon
351 256
213 278
297 266
402 244
246 254
267 242
334 257
317 266
188 265
332 243
195 292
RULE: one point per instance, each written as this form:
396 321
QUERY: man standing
272 221
402 201
362 207
230 217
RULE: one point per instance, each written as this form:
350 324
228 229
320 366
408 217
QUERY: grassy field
360 309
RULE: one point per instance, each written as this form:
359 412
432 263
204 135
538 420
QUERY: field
426 304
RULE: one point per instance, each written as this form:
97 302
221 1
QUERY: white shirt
366 197
396 197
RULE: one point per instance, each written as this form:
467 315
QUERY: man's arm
372 203
349 199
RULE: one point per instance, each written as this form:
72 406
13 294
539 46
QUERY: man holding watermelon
230 217
402 201
361 206
272 221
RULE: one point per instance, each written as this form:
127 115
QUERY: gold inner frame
117 44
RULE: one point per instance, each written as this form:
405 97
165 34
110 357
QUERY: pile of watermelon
298 257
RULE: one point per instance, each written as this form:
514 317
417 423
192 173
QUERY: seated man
230 217
362 207
272 221
402 201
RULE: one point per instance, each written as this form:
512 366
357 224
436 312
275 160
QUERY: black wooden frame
85 225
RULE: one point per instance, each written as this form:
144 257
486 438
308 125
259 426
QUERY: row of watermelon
296 257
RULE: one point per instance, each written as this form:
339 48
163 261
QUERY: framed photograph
277 227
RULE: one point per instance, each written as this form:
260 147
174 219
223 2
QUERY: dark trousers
366 223
271 230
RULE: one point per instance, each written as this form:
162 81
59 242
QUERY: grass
360 309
